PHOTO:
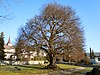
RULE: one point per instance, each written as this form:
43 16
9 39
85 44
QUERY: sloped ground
39 70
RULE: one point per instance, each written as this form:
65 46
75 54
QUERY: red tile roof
8 47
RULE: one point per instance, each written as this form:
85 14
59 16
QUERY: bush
39 58
88 73
95 71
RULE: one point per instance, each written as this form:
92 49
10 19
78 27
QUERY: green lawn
31 69
64 66
25 70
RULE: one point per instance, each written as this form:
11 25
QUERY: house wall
11 50
8 53
33 54
96 60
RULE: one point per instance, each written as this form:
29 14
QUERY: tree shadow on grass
33 66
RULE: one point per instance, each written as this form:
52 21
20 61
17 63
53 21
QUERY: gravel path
65 72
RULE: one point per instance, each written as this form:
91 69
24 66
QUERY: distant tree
22 47
2 46
56 31
86 59
19 47
91 54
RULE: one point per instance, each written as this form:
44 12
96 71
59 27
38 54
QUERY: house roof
8 47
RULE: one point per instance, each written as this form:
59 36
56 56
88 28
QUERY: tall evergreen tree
1 46
91 54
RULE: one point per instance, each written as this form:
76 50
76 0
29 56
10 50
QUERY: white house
32 54
9 50
96 59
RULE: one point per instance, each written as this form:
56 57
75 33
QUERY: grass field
34 69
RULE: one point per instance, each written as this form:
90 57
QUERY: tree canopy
56 30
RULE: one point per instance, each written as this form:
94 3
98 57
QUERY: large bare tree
56 30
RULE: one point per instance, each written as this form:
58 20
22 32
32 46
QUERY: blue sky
22 10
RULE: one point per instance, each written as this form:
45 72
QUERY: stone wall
4 62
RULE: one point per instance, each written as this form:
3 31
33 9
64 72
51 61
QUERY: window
98 59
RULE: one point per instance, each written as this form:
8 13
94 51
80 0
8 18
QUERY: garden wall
4 62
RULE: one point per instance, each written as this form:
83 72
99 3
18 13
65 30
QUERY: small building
96 59
32 55
9 50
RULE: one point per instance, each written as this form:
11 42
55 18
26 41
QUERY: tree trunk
52 62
